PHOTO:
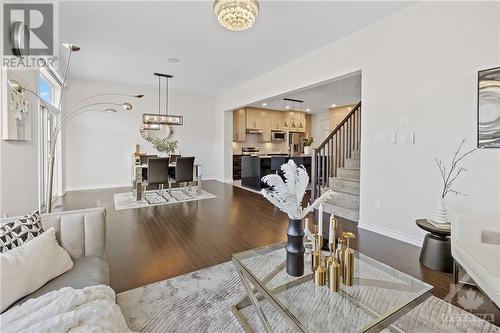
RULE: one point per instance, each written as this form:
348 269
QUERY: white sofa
83 234
475 246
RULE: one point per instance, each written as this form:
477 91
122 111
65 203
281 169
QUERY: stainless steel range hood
254 131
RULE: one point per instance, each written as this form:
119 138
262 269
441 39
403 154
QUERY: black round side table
436 249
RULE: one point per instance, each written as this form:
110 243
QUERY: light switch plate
403 137
392 137
381 137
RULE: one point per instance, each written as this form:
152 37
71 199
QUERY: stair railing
331 155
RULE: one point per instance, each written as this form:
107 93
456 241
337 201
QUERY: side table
436 249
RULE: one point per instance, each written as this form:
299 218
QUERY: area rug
201 302
128 201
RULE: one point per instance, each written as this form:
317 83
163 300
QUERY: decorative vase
441 212
295 248
307 150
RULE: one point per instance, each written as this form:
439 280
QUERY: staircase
336 166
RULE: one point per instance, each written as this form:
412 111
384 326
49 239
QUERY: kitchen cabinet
266 121
254 118
236 167
277 120
266 129
239 125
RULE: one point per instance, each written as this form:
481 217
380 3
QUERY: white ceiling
341 91
127 41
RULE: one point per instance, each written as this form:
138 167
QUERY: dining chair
171 171
144 161
158 174
183 173
173 158
144 158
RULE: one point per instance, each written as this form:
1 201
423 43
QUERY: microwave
278 136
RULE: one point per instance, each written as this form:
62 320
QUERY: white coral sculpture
287 195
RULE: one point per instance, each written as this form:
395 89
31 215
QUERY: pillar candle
320 220
331 235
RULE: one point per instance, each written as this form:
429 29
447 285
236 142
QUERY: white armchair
475 246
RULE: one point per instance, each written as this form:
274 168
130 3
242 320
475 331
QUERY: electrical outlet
379 206
403 121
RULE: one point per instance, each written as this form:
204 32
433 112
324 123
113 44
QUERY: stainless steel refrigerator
296 142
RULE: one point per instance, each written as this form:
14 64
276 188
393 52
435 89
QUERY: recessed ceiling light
307 110
174 60
287 107
264 104
334 105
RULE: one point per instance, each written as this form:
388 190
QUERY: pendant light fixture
154 121
293 101
284 109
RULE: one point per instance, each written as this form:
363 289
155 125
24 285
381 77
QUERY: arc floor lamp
64 115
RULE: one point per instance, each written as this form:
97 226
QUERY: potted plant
307 145
164 143
165 146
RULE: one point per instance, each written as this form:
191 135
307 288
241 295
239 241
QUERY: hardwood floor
151 244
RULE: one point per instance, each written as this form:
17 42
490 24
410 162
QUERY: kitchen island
253 168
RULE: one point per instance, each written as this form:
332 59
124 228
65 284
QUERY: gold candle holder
320 275
319 271
334 276
348 260
329 259
315 254
340 254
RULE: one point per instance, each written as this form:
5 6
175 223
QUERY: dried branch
449 177
458 193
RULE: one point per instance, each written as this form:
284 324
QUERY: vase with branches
287 195
449 175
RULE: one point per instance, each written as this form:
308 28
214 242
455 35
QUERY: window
49 91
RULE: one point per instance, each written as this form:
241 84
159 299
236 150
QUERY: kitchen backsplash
265 147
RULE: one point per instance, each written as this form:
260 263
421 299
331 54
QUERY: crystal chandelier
236 15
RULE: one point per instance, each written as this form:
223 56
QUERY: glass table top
379 291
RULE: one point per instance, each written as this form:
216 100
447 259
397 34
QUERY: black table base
436 253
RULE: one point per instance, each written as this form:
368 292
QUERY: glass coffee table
379 296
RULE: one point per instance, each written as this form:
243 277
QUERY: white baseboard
410 239
95 187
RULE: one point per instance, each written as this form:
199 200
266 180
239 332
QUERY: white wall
316 130
19 159
420 63
99 146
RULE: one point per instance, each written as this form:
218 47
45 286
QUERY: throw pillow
26 268
490 237
19 230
